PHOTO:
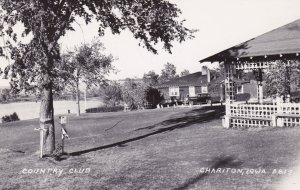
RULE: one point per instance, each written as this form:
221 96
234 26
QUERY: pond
31 110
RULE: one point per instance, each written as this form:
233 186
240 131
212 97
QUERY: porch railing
253 110
256 115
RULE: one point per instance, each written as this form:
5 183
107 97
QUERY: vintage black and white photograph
149 94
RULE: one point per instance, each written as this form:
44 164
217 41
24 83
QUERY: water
31 110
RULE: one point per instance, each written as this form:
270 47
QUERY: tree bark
47 120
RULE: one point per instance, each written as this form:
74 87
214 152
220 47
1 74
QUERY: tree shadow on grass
218 162
193 117
204 114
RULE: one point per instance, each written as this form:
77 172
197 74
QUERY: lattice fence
253 110
260 115
291 110
249 122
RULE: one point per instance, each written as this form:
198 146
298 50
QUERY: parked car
166 104
199 99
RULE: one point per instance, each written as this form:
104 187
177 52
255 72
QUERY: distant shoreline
22 101
30 110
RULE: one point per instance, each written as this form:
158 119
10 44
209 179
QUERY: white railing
256 115
289 108
248 122
253 110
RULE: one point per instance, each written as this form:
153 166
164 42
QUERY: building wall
250 88
183 92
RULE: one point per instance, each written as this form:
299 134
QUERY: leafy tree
168 73
5 95
112 94
150 78
46 22
86 64
184 72
280 77
133 93
153 96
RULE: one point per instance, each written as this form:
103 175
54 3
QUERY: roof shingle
194 79
283 40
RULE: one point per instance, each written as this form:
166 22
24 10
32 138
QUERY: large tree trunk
47 120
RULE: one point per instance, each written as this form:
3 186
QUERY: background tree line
135 93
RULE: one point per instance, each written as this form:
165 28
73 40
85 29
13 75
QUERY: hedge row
104 109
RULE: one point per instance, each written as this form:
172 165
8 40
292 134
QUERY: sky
221 24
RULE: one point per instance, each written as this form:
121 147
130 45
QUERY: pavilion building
279 46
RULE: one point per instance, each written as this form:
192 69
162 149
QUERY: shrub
5 95
104 109
10 118
153 97
242 97
295 97
112 94
133 93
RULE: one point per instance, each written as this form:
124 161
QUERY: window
174 91
204 89
240 89
192 91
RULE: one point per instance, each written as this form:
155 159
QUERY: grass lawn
151 149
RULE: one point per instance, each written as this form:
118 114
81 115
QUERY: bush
295 97
153 97
10 118
242 97
104 109
5 95
112 94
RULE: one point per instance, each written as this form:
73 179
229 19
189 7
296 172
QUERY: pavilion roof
280 41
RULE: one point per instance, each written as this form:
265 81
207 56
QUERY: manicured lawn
151 149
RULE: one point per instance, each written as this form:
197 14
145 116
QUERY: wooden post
41 140
221 93
41 143
260 93
229 92
62 144
85 98
229 84
287 82
279 120
63 122
259 87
